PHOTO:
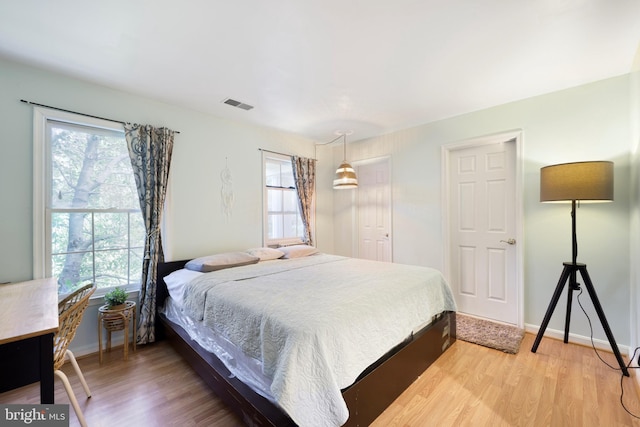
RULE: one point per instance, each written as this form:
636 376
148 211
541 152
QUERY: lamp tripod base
569 275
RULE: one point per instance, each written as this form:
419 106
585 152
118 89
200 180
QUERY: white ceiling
316 66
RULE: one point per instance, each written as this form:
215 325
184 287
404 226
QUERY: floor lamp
575 182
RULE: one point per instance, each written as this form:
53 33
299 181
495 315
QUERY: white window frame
41 185
265 215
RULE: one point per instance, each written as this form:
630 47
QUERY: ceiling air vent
237 104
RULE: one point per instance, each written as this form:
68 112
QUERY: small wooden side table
117 319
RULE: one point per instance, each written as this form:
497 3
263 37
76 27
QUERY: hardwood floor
560 385
470 385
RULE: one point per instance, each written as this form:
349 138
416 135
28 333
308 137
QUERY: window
283 223
88 224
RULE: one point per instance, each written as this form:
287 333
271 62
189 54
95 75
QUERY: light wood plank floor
560 385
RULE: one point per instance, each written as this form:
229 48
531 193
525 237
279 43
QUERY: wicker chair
70 311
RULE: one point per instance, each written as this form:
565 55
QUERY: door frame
446 150
355 223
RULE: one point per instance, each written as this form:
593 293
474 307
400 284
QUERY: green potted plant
115 298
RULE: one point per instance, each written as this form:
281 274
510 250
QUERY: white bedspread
315 323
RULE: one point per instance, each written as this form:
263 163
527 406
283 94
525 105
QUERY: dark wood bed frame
376 388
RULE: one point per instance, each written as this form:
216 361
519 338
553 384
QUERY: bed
306 341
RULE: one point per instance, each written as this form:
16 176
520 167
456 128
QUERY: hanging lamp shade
345 177
345 174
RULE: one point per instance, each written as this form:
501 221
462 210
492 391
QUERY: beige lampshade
577 181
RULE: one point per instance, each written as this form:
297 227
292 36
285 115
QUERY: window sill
284 242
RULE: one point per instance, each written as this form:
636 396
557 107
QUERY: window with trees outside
87 201
283 223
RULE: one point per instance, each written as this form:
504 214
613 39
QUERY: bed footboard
368 397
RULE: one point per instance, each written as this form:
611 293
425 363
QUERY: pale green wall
589 122
201 149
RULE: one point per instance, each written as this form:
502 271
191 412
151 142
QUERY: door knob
509 241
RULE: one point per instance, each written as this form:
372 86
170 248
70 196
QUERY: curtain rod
75 112
276 152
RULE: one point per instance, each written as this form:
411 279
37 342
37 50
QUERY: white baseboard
577 339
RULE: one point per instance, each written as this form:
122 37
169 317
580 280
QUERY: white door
374 211
482 229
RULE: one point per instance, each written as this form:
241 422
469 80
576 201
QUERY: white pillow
265 254
176 281
297 251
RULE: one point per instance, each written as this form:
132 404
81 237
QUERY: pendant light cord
344 145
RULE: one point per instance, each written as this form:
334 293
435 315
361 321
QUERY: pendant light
345 174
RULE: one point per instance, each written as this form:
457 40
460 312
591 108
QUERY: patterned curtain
304 175
150 151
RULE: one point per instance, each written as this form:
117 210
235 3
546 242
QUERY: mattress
300 330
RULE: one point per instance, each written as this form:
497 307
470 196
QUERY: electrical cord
612 367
